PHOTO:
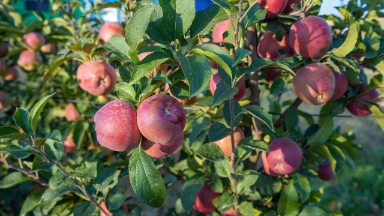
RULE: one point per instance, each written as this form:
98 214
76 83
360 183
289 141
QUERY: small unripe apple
341 85
359 108
161 118
231 212
266 166
3 49
203 200
289 8
219 29
284 156
3 68
102 99
162 67
273 7
47 48
29 60
158 150
215 79
108 30
325 172
4 100
97 77
12 74
269 45
71 113
34 41
314 83
69 145
226 145
310 37
116 126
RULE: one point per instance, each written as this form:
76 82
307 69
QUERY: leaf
218 131
7 132
20 150
323 133
117 46
125 91
53 149
211 152
349 43
376 111
40 164
249 142
79 132
224 202
250 178
50 193
253 16
115 198
105 177
303 187
223 92
189 191
21 117
59 61
145 179
31 202
312 211
289 201
380 66
103 6
261 63
241 54
37 109
84 209
246 209
12 179
85 170
57 180
237 112
260 114
291 118
223 168
222 3
278 86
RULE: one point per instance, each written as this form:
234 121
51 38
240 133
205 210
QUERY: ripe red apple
29 60
341 85
3 49
116 126
266 166
3 68
182 101
71 113
289 8
325 172
215 79
161 118
12 74
284 156
225 143
97 77
357 107
158 150
4 100
273 7
69 145
203 200
34 41
310 37
231 212
269 45
47 48
219 29
314 83
108 30
162 67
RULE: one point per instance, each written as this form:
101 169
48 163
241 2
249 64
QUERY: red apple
108 30
266 166
314 83
219 29
273 7
158 150
97 77
3 49
4 100
289 8
161 118
357 107
269 45
225 143
69 145
71 113
12 74
231 212
284 156
47 48
271 74
325 172
34 41
162 67
310 37
203 200
215 79
3 68
116 126
213 64
341 85
29 60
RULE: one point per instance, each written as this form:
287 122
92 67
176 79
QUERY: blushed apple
203 200
108 30
71 113
34 40
226 145
47 48
341 85
69 145
157 150
219 29
273 7
29 60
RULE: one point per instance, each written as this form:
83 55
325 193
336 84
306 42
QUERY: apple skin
3 49
225 143
162 67
325 172
266 166
359 108
97 77
34 41
69 145
268 46
288 9
284 156
310 37
231 212
71 113
4 100
47 48
12 74
157 150
161 118
203 200
29 60
108 30
341 85
3 68
215 79
219 29
314 83
116 126
273 7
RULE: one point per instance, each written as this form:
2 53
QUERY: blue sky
328 6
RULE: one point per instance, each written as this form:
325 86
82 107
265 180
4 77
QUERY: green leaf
291 118
145 179
85 170
7 132
278 86
312 211
117 46
59 61
349 43
53 149
249 142
289 201
223 92
126 71
237 112
376 111
223 168
211 152
261 63
125 91
253 16
241 54
31 202
103 6
323 133
218 131
40 164
303 187
115 198
50 193
380 66
189 191
37 109
57 180
79 132
260 114
224 202
84 209
222 3
250 178
105 177
246 209
21 117
12 179
20 150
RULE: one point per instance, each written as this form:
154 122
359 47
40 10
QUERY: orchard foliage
236 85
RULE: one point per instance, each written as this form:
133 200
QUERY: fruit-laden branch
295 104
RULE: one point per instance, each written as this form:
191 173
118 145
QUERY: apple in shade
203 200
219 29
226 145
71 113
161 119
341 85
162 67
358 108
158 150
284 156
29 60
231 212
34 41
12 74
314 83
310 37
3 49
104 207
215 79
273 7
3 68
116 126
289 8
97 77
47 48
325 172
69 145
4 100
108 30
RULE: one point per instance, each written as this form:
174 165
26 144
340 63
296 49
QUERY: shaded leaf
218 131
13 179
36 110
21 117
211 152
249 142
260 114
189 191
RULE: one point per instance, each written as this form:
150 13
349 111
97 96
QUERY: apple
271 74
284 156
219 29
29 60
47 48
341 85
71 113
157 150
314 83
4 100
325 172
266 166
162 67
12 74
203 200
359 108
215 79
273 7
34 41
225 143
116 126
102 99
289 8
161 118
3 68
3 49
310 37
231 212
269 45
69 145
108 30
97 77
